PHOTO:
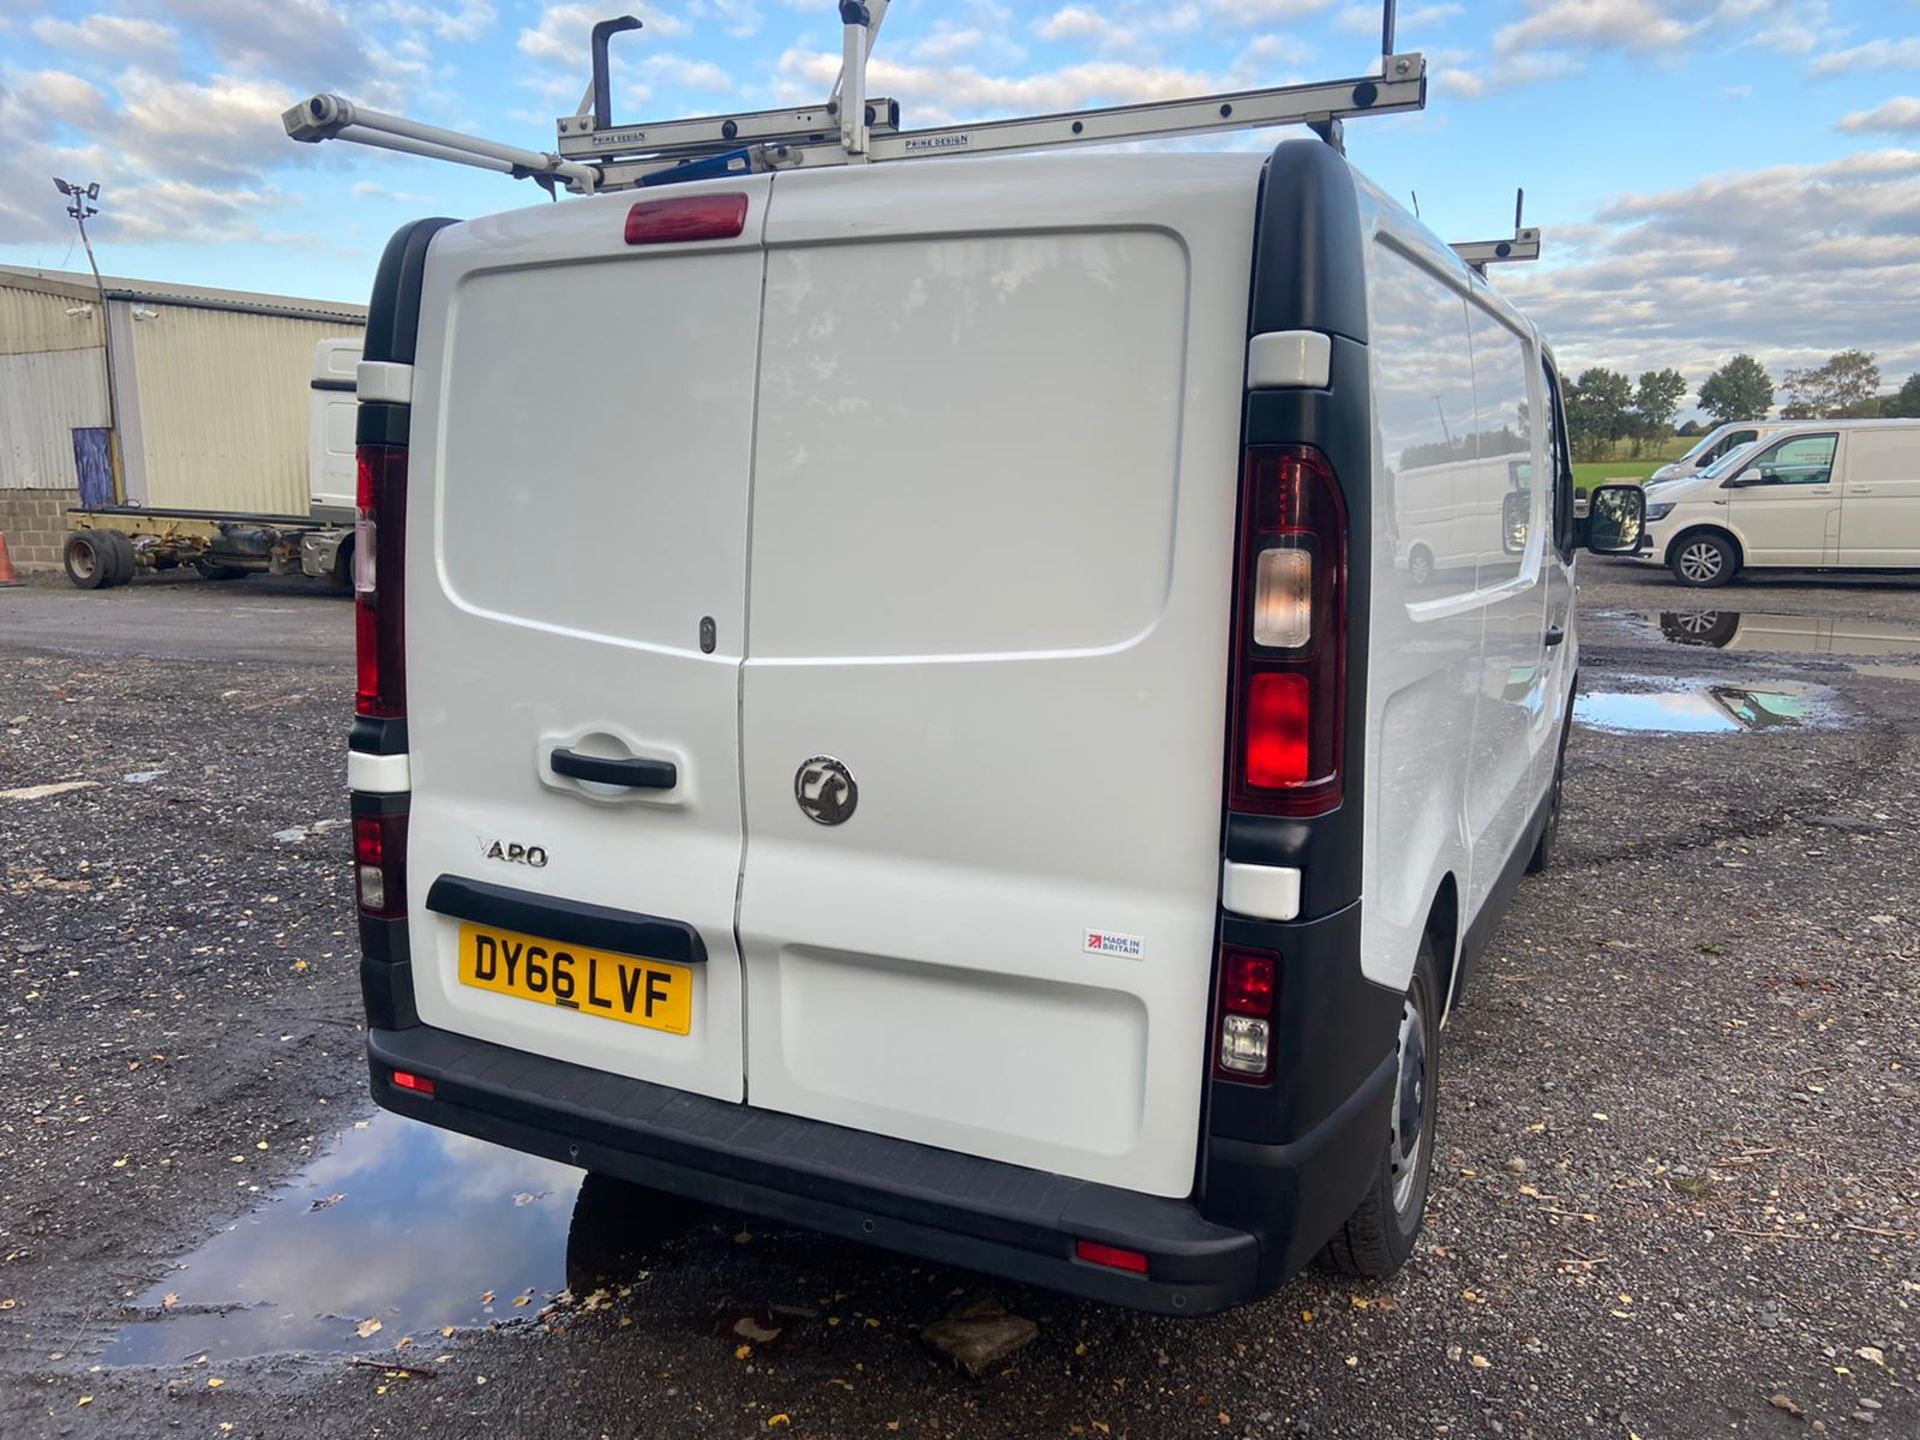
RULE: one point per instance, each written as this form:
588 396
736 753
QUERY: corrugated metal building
212 390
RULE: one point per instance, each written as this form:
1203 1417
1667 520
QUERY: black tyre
1378 1237
618 1227
214 570
119 550
88 559
1420 566
1703 560
1549 840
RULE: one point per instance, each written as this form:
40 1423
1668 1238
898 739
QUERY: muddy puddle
400 1223
1828 635
1707 707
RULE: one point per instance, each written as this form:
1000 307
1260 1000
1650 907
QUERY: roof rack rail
1525 244
593 154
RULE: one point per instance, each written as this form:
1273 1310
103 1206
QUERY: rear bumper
956 1209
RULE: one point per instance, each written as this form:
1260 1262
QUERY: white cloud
108 35
1633 25
372 190
1791 262
687 74
308 39
1901 113
1077 22
565 30
1873 55
1365 20
1257 12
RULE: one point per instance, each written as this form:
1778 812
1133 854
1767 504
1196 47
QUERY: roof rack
852 127
1525 244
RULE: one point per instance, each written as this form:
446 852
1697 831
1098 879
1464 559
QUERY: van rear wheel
1378 1237
1704 561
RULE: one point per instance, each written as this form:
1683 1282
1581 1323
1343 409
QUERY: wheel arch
1443 928
1705 527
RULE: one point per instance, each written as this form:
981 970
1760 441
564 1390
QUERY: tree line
1605 408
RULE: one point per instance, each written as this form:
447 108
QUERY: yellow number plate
594 982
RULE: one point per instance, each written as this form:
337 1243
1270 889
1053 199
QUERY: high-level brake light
686 217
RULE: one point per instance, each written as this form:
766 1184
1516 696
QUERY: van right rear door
983 703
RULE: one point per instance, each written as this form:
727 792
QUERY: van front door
1880 515
1784 505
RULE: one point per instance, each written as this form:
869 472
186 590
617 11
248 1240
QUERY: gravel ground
1676 1193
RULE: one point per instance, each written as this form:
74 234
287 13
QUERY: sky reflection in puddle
426 1224
1702 708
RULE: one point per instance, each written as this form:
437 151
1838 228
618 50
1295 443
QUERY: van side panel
1880 497
1426 611
991 565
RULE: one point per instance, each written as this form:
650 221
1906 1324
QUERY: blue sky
1711 175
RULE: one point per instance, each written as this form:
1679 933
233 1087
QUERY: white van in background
996 791
1815 495
1716 445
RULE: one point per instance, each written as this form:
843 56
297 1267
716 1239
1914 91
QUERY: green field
1588 473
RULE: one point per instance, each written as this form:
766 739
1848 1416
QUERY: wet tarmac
397 1232
1835 635
1706 707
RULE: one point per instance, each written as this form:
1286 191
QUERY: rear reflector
419 1084
1111 1256
686 217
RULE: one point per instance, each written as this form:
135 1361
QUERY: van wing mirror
1616 518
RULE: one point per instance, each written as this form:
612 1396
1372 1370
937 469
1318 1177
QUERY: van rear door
576 583
983 704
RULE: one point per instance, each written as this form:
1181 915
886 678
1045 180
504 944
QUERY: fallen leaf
169 1300
520 1300
85 1400
1785 1402
774 1422
486 1297
748 1328
742 1352
121 1163
368 1327
1480 1362
214 1382
446 1332
1873 1353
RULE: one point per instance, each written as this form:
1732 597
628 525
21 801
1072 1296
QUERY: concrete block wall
35 524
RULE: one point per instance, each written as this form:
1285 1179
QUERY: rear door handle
1556 634
635 774
1860 489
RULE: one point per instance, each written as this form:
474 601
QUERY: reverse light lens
1112 1256
1244 1048
380 864
1283 599
1279 709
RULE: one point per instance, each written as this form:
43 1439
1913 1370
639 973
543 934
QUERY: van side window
1423 373
1506 499
1562 466
1727 446
1797 460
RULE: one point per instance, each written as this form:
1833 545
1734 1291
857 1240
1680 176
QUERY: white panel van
899 698
1716 445
1816 495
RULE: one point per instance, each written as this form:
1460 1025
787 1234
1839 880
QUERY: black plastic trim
386 987
393 314
577 923
1309 259
382 422
635 772
956 1209
371 736
1332 1027
332 384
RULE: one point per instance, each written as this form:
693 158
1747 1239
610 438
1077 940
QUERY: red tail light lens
1111 1256
686 217
1248 987
380 864
379 558
1290 635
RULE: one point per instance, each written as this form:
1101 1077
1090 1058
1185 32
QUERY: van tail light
1248 985
379 543
1289 635
1111 1256
380 864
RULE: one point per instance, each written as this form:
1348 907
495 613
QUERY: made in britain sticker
1112 942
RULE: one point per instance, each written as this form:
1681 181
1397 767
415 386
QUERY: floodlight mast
83 209
594 154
